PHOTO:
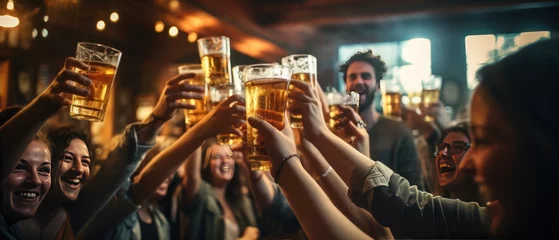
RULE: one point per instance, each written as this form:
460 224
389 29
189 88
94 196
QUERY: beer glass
304 69
214 54
335 100
103 61
265 97
193 116
391 99
217 95
430 94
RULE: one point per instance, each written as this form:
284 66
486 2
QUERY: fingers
305 87
183 95
184 88
234 98
66 75
72 63
63 87
299 96
181 105
235 109
350 113
177 79
264 127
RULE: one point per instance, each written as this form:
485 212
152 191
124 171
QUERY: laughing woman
71 203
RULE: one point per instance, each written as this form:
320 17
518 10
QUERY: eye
366 76
352 76
44 170
20 166
68 158
86 162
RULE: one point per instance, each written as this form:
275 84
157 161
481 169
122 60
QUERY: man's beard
368 102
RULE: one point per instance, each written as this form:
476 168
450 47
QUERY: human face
222 165
493 159
28 184
361 78
162 189
73 171
449 174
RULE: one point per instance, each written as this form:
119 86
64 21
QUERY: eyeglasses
456 147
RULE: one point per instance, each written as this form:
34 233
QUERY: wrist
44 107
256 176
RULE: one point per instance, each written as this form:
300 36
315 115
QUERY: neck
370 116
220 192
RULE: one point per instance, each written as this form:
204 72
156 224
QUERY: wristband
323 175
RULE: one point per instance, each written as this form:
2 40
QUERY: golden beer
217 95
92 108
428 98
265 99
415 100
296 118
336 117
193 116
217 69
391 105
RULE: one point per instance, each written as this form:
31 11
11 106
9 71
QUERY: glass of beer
217 95
193 116
103 61
266 98
214 54
391 99
335 101
430 94
304 69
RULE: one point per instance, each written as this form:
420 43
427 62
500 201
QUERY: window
482 49
407 61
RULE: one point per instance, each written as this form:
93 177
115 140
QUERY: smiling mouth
27 194
445 167
72 181
224 168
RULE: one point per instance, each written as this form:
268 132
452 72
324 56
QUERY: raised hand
224 118
59 92
354 126
173 95
308 103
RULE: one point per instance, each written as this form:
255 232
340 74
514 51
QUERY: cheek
14 181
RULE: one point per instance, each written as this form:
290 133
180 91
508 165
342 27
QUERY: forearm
17 133
340 155
149 129
319 218
262 189
164 164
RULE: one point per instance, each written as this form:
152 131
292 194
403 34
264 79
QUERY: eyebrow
74 155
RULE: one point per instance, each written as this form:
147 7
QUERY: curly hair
461 127
61 137
378 65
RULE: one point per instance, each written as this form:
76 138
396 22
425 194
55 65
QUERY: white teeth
225 168
75 180
27 194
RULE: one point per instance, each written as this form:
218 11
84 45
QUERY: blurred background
451 39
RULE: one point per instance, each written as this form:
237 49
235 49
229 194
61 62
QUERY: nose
78 167
33 179
467 164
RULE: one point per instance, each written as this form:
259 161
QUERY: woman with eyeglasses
449 152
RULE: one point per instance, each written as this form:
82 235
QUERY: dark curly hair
460 127
10 112
378 65
61 137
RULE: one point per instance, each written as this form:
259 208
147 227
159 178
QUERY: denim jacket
116 170
410 213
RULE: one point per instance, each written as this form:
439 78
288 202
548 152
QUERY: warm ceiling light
101 25
34 33
173 31
159 26
10 5
8 21
46 18
114 17
174 4
44 32
192 37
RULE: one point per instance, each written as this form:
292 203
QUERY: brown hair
378 65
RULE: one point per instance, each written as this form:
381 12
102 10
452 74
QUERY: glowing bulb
114 17
192 37
44 32
10 5
100 25
173 31
46 18
8 21
159 26
34 33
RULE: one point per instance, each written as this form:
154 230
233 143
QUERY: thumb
264 127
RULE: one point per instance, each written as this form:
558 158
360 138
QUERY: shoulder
394 128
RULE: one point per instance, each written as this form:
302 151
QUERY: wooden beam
246 37
375 11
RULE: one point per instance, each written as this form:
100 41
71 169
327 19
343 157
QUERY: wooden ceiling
262 29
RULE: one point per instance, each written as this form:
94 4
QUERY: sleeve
278 218
116 212
408 161
410 213
197 201
117 169
279 209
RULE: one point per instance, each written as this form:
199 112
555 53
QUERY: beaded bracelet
276 178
